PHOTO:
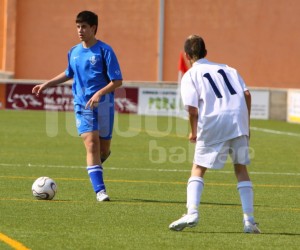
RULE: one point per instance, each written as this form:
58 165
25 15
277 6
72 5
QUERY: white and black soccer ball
44 188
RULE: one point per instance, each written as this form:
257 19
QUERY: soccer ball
44 188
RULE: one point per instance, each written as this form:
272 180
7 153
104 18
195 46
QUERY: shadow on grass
174 202
179 202
201 232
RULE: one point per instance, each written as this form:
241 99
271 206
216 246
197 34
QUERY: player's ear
95 29
187 56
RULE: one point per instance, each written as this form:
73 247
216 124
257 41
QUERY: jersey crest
93 60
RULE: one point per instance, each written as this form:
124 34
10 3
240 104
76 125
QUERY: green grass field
146 179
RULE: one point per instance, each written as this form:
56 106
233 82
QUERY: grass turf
146 179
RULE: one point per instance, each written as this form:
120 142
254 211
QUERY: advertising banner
158 101
141 100
19 96
59 98
126 100
293 109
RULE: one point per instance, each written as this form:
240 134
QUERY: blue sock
96 177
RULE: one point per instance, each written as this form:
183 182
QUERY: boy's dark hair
194 46
88 17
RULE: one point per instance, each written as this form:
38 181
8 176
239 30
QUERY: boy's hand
192 138
38 89
93 102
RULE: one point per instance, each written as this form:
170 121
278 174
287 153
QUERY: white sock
194 190
246 194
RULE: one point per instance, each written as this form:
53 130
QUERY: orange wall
128 26
2 34
259 37
8 31
2 96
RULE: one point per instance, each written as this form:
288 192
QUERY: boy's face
85 31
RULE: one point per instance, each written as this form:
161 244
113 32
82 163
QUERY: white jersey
217 90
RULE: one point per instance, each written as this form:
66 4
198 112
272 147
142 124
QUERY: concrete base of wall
6 75
278 104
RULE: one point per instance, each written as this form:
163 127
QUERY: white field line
271 131
141 169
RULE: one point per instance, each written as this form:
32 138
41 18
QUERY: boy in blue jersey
95 70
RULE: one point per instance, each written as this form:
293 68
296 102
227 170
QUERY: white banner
158 101
167 102
293 106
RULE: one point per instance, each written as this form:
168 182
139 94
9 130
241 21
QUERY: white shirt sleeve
189 93
243 84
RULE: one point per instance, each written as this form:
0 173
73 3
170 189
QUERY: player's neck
89 43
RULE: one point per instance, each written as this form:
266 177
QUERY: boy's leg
104 149
240 157
245 189
194 191
94 168
105 123
104 118
211 157
195 188
92 146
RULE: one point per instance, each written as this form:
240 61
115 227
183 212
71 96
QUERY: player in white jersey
219 104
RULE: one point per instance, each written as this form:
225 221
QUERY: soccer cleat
187 220
102 196
251 228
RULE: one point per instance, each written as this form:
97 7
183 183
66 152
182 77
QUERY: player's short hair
194 46
88 17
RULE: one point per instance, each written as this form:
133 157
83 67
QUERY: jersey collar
200 61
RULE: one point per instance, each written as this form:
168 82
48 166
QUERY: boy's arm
54 81
248 103
107 89
193 118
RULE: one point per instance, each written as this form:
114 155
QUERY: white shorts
215 156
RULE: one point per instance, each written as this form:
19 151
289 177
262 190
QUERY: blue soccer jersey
92 69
